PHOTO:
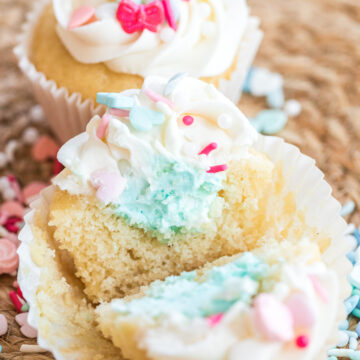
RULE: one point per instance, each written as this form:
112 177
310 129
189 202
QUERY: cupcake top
159 155
156 37
246 305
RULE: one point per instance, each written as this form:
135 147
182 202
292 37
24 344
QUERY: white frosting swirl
123 144
205 44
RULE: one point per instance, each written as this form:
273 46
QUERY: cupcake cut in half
148 234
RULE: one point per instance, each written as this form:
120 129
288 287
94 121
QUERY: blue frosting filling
214 293
173 199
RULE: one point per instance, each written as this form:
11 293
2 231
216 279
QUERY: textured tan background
314 44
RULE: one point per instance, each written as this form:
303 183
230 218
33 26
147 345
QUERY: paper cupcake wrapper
68 114
313 195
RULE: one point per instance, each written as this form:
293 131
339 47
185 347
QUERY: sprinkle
32 349
30 135
358 329
302 341
217 168
319 289
101 130
292 107
208 149
25 307
15 284
32 190
82 16
276 99
19 292
156 97
348 208
44 148
115 100
37 114
12 208
224 121
272 318
263 82
350 303
169 14
353 344
341 352
10 149
188 120
143 119
356 234
344 325
269 122
119 112
15 300
343 339
25 328
173 83
214 319
3 325
9 259
351 333
57 167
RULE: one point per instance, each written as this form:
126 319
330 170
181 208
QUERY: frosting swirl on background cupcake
159 155
199 37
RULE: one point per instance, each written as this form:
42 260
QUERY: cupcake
173 186
71 50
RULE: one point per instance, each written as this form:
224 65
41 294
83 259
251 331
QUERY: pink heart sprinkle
26 329
109 184
82 16
9 259
32 190
44 148
272 318
21 318
3 325
301 309
12 208
214 319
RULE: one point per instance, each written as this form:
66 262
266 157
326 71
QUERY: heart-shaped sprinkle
82 16
109 185
26 329
9 260
3 325
12 208
272 318
143 119
45 148
301 309
115 100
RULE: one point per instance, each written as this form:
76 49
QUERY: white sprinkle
37 114
32 349
340 352
3 160
264 82
30 135
343 339
4 183
353 343
224 121
292 107
167 34
10 149
9 194
348 208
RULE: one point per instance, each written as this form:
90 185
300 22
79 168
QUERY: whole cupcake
173 179
71 50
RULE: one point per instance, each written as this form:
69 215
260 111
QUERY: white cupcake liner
68 114
313 195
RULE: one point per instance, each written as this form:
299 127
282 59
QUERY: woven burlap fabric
314 44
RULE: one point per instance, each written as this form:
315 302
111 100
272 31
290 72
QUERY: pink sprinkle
101 130
12 208
15 284
32 190
302 341
82 16
156 97
3 325
15 300
119 112
169 14
208 149
44 148
214 319
320 290
217 168
188 120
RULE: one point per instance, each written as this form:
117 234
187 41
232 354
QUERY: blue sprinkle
358 329
348 208
351 333
247 82
276 99
115 100
0 348
356 234
257 124
272 121
351 256
350 303
143 119
344 325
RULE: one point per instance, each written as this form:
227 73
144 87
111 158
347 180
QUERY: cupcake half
170 179
72 50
